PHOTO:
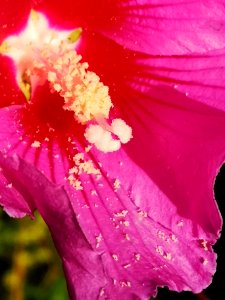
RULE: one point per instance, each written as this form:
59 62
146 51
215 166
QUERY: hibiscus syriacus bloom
112 126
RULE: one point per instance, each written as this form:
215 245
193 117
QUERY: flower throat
43 54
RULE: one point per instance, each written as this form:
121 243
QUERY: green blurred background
30 268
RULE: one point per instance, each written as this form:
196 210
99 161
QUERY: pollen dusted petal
81 263
168 27
140 248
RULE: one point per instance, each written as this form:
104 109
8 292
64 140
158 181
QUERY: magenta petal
16 201
49 158
200 77
168 27
132 252
179 144
155 229
150 220
183 144
143 240
153 27
82 265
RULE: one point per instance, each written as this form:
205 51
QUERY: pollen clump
101 135
122 130
101 138
84 166
83 92
81 166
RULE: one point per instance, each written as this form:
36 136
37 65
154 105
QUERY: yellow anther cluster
82 90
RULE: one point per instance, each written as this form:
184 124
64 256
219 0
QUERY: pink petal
50 157
200 77
136 252
160 27
184 146
129 99
157 100
15 200
157 228
157 233
82 265
152 215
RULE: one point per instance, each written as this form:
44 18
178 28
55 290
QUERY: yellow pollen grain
88 168
73 170
142 214
173 238
137 256
82 166
116 184
168 256
159 250
115 257
52 76
102 292
161 235
88 148
9 186
57 87
93 193
75 183
180 223
204 244
78 157
122 213
127 237
98 240
126 223
36 144
125 284
127 266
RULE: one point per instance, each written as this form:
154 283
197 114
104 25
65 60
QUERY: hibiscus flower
112 118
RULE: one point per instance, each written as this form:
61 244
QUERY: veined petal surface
149 219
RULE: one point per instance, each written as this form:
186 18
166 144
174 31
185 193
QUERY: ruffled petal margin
131 248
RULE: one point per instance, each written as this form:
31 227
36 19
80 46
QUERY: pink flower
127 214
